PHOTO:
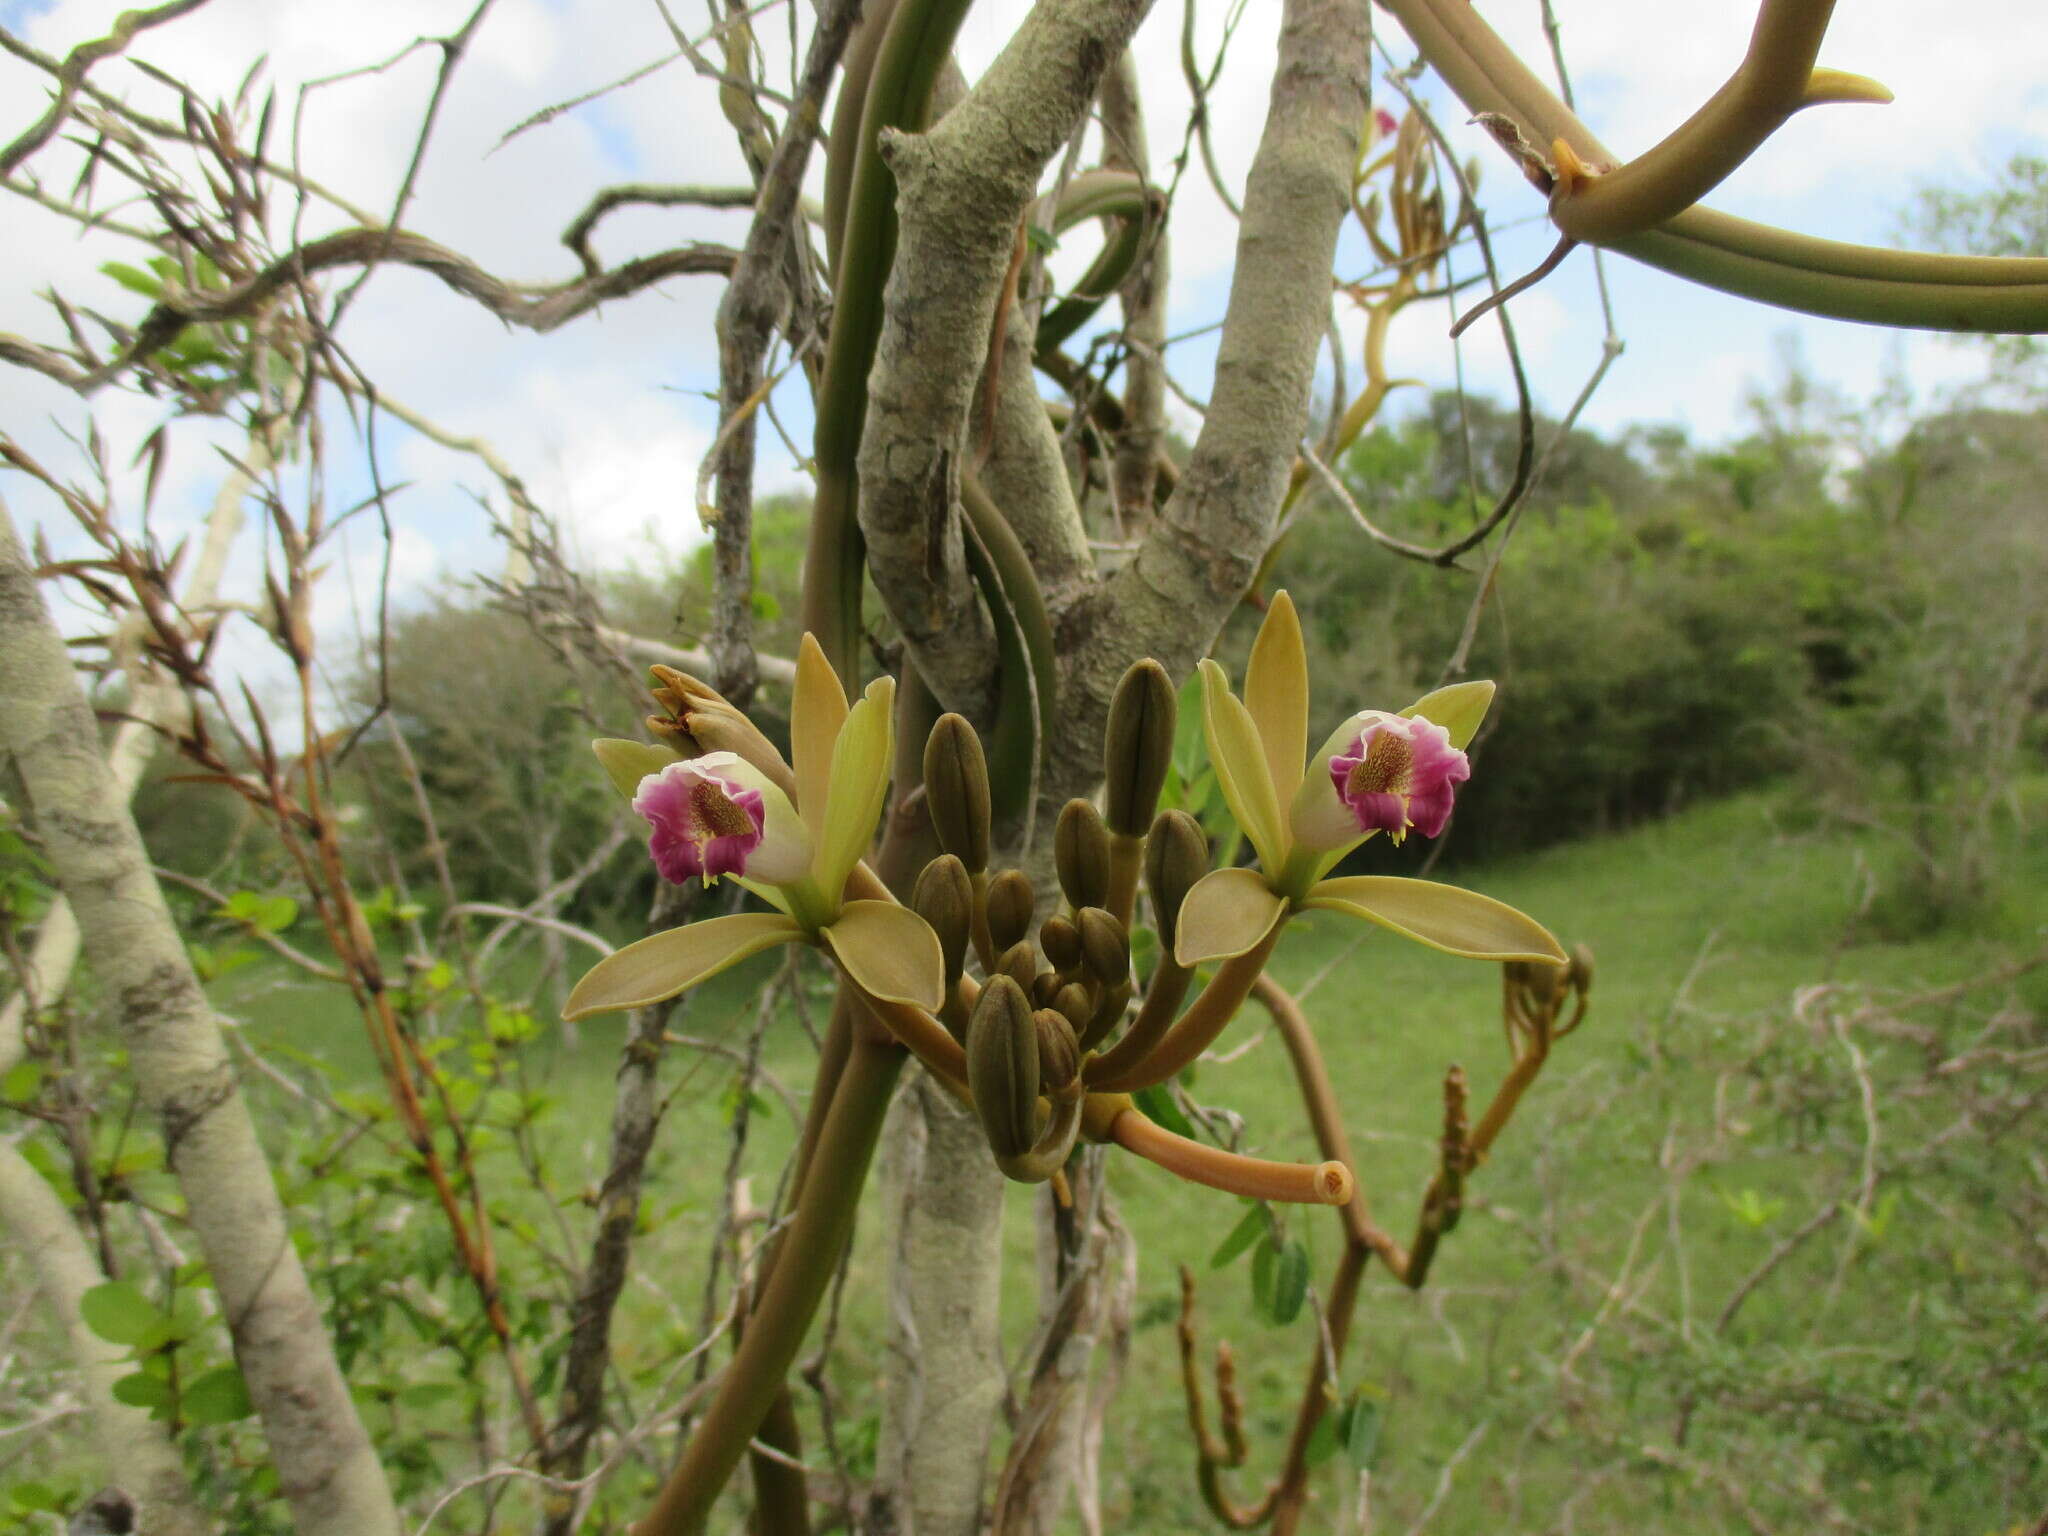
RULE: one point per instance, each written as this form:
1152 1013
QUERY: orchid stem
1155 1016
1254 1177
809 1254
1201 1024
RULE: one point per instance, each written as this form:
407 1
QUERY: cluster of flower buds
1058 1034
1054 994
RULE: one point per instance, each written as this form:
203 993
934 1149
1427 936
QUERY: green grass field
1570 1316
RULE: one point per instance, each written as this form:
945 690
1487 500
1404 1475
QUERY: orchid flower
1377 772
718 815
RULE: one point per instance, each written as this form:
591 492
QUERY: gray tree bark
944 1204
325 1463
138 1452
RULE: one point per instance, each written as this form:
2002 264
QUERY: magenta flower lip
1398 774
711 816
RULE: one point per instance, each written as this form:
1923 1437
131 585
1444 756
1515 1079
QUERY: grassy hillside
1711 1105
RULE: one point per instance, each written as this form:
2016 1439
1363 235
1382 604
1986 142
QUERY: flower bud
944 898
1020 963
1071 1002
1080 851
1581 969
1105 946
1009 908
1176 856
1138 748
1045 987
697 719
956 791
1059 1049
1002 1067
1061 941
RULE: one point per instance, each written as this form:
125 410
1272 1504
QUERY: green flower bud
1071 1002
1080 851
1059 1050
1020 963
956 790
944 898
1582 969
1105 945
697 719
1045 987
1002 1067
1010 904
1061 941
1176 856
1138 748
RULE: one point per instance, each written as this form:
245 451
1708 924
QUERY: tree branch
136 1449
536 308
1190 572
962 190
325 1462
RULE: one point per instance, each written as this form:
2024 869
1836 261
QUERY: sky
608 418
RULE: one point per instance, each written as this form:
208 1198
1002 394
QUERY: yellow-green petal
890 952
1459 709
1239 759
626 763
1445 917
817 712
858 785
1276 695
1228 912
667 963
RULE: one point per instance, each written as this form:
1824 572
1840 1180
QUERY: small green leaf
1360 1430
1322 1440
22 1081
626 763
134 279
664 964
142 1390
1253 1225
1290 1282
220 1396
118 1312
274 914
35 1498
1445 917
1265 1273
1158 1105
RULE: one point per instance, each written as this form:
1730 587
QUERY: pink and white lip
719 815
1379 772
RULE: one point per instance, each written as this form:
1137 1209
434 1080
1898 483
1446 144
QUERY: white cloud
605 418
